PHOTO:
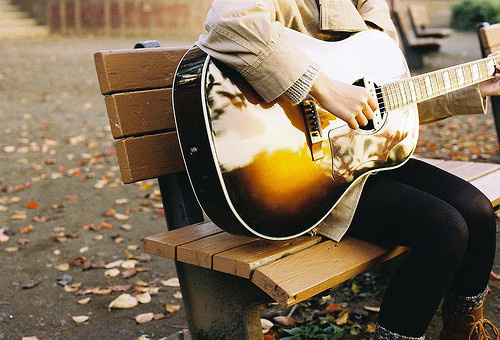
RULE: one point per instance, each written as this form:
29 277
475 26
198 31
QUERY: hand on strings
353 104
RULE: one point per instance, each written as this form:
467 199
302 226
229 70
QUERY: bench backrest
489 40
418 15
137 84
489 36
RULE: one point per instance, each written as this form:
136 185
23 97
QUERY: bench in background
489 42
413 47
420 22
224 278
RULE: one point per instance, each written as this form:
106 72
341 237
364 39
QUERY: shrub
466 14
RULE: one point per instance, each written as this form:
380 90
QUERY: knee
451 235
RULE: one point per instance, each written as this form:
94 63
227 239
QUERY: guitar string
420 86
394 89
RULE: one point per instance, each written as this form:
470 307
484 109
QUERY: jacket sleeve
246 35
462 102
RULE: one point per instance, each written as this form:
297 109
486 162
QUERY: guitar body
251 163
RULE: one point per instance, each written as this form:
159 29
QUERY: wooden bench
224 278
420 22
489 42
414 47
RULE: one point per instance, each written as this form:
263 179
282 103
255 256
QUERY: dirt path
62 202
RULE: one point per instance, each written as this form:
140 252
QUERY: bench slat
489 185
468 170
200 252
490 37
165 244
243 260
140 112
139 69
301 275
149 156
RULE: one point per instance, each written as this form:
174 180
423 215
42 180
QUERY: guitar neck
429 85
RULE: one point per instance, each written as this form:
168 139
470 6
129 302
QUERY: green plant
326 330
466 14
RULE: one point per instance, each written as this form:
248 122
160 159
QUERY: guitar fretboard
426 86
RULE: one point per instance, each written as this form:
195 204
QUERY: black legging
450 226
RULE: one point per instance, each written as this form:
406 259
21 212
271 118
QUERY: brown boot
471 326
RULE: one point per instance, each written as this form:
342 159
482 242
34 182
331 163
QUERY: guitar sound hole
379 115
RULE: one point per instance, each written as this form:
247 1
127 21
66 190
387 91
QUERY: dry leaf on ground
173 282
123 301
143 298
266 325
84 301
144 318
80 318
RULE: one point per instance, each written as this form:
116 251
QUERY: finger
362 118
353 124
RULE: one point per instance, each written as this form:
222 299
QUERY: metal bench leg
217 305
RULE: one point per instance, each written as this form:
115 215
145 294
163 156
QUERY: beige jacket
248 35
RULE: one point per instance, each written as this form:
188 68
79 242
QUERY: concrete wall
37 9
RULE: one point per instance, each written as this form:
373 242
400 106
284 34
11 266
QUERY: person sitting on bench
448 223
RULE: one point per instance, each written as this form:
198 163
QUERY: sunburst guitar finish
275 170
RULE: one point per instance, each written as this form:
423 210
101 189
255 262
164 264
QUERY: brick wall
174 17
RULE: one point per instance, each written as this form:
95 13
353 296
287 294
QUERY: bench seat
272 265
237 272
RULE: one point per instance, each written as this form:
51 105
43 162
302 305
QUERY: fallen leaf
113 264
143 298
105 291
19 215
144 318
121 201
29 338
372 309
80 319
127 274
120 288
126 227
30 284
332 307
27 229
121 217
172 309
84 301
342 319
158 316
63 267
172 282
71 288
113 272
32 205
177 295
371 328
284 321
266 325
23 240
123 301
494 276
12 249
129 264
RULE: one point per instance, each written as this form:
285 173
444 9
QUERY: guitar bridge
314 134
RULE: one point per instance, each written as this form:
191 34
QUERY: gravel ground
64 211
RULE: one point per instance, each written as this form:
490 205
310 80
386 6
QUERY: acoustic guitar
275 170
